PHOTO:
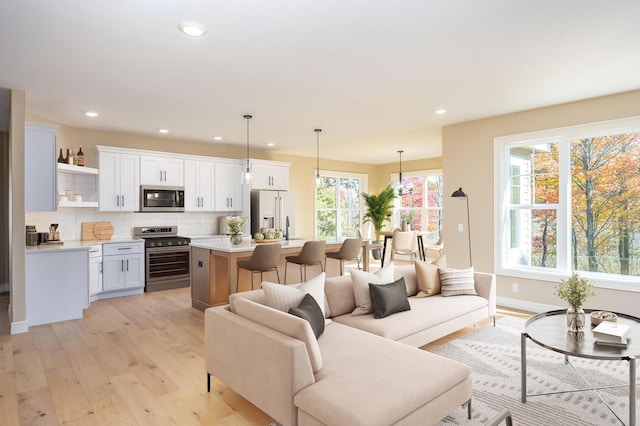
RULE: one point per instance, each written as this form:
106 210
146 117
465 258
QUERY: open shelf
79 170
77 204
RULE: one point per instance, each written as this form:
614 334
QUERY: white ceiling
369 73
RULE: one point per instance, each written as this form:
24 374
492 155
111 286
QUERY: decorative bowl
264 240
598 316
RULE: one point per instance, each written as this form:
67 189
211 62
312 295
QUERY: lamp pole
459 193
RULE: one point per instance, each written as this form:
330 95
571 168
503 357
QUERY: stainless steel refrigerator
273 210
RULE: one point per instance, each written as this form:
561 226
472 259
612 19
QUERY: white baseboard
524 305
19 327
4 287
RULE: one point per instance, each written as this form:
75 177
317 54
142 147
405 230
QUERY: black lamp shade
459 193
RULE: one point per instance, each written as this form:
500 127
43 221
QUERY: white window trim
364 187
501 178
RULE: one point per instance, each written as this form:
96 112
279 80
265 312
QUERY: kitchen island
214 269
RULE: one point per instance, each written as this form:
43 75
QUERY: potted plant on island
575 292
235 226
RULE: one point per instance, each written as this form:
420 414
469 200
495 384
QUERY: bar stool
264 258
312 253
350 250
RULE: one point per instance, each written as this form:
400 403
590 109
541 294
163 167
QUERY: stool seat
312 253
265 258
350 250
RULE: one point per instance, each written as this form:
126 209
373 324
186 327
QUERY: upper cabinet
228 186
198 185
119 180
269 175
161 170
41 193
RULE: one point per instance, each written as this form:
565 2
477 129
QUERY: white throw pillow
457 282
361 281
282 297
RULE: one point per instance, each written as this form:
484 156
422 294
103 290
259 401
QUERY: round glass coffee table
549 330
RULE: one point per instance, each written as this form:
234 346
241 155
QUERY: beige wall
18 310
468 162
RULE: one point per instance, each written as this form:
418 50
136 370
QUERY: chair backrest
404 241
312 252
350 248
265 257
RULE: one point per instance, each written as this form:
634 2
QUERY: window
421 202
338 205
570 201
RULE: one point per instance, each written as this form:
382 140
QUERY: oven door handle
171 248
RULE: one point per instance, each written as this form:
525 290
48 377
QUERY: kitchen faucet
286 229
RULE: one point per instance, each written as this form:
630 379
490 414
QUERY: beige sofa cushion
428 276
339 294
367 380
283 297
408 272
425 313
284 323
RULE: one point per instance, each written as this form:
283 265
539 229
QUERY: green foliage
575 290
380 208
236 225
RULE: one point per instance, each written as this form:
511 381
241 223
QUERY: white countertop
248 245
75 245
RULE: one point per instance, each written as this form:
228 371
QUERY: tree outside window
338 206
600 204
420 204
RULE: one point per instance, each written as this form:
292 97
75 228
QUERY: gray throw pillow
309 310
388 299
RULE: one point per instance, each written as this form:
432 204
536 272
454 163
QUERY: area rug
493 353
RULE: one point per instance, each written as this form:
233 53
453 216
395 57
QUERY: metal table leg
523 367
632 391
384 250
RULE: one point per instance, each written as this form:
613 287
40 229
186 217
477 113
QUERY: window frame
502 204
395 179
338 174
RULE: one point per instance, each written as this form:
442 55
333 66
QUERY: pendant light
317 155
400 174
247 173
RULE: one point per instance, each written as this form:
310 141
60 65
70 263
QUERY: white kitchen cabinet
118 181
122 266
95 271
57 287
160 170
269 175
228 186
41 193
198 185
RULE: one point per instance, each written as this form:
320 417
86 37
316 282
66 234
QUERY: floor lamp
459 193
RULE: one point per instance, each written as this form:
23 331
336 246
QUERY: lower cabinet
123 266
95 270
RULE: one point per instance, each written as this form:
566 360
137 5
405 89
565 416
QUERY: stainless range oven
167 255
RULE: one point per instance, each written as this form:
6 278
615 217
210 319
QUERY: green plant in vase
575 292
379 208
235 226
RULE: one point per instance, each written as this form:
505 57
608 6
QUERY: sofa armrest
486 287
265 367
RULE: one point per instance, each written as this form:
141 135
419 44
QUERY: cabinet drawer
95 250
109 249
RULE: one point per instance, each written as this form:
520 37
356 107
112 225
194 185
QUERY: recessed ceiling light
192 28
270 144
440 111
217 138
163 130
91 113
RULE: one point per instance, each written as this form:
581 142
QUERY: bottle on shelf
61 157
70 157
80 157
66 159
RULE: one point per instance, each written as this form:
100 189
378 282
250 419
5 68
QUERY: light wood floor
135 360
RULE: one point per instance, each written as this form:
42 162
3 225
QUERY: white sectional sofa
360 371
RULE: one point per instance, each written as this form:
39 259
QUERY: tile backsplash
69 221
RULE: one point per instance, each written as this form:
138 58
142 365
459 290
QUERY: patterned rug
493 353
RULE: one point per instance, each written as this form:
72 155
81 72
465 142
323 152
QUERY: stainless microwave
161 198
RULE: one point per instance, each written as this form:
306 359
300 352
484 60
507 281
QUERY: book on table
620 344
611 332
